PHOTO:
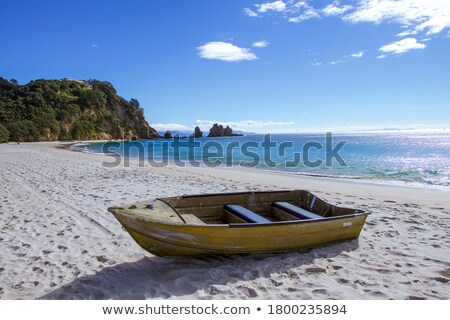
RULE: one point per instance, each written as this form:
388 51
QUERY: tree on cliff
4 134
46 110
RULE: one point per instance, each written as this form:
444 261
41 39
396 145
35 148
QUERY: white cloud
358 54
381 56
250 12
94 45
416 18
170 127
271 6
402 46
431 16
406 33
306 15
225 51
260 44
335 9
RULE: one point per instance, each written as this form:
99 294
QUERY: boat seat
295 211
192 219
244 214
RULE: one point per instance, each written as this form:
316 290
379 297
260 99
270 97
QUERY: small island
198 133
218 130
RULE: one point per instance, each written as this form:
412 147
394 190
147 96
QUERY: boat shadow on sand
155 277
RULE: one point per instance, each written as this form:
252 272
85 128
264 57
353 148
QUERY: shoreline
375 181
59 242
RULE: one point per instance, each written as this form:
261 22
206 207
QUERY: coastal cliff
51 110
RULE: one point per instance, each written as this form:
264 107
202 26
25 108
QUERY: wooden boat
233 223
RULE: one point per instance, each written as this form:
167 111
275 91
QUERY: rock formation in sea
227 132
218 130
198 133
168 135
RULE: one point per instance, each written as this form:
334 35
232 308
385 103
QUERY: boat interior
254 207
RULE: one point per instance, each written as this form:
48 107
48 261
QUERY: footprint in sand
320 291
415 298
38 270
276 283
315 270
445 273
250 292
343 281
213 290
440 279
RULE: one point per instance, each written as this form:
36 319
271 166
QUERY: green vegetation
4 134
49 110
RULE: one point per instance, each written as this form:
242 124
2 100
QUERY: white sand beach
57 240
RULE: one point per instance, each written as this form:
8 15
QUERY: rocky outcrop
168 135
198 133
218 130
228 132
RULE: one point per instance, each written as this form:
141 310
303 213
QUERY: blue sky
263 66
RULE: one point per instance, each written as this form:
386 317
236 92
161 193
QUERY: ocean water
409 158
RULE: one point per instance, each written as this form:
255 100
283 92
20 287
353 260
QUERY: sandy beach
57 240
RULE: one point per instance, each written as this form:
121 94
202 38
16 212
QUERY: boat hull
172 239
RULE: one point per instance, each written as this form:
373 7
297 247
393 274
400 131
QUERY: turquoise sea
406 158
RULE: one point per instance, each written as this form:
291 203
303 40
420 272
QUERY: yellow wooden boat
233 223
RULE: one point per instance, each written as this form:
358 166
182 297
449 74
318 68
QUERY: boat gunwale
318 220
184 196
253 225
357 213
173 208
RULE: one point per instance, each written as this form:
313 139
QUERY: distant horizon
245 126
443 129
